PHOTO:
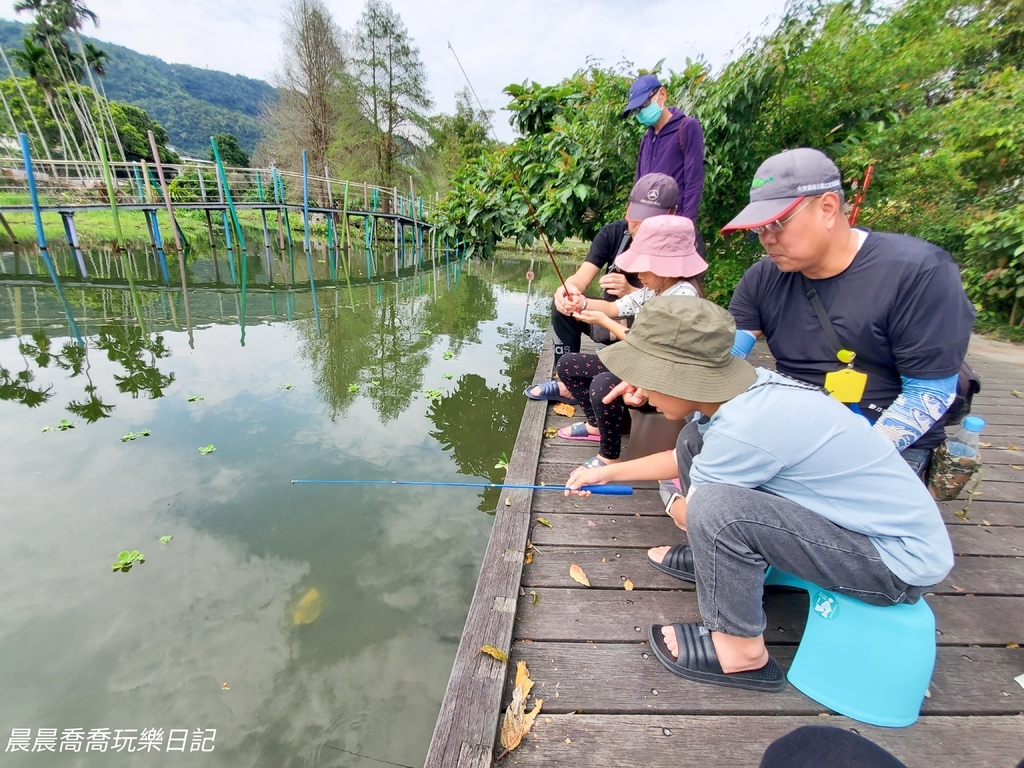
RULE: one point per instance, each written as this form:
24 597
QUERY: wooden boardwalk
609 702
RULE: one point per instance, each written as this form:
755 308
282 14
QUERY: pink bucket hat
664 245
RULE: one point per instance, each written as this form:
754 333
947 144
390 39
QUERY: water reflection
395 567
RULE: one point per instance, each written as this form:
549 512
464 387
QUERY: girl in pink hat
665 258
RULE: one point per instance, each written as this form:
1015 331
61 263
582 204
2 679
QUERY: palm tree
28 108
39 67
96 64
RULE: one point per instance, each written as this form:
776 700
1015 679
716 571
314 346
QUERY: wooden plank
610 568
618 616
621 678
624 531
980 511
671 741
466 725
642 502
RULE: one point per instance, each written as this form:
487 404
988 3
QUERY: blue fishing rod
597 490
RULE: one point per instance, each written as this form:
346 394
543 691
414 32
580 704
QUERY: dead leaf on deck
536 597
529 558
551 432
496 653
1015 393
564 409
518 721
578 575
983 445
508 502
1016 467
568 740
543 522
1013 645
958 589
1012 447
627 585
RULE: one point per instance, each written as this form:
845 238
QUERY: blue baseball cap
640 91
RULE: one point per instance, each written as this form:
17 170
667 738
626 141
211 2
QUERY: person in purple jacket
673 144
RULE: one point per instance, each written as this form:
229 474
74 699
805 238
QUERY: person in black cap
673 144
655 194
827 294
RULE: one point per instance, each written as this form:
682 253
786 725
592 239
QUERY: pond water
282 625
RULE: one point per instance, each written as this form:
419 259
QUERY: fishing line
515 173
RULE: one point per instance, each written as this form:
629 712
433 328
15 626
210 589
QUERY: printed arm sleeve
744 342
693 169
920 404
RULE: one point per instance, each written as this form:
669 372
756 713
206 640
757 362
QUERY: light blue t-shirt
796 442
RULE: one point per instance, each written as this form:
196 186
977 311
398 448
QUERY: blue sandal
548 390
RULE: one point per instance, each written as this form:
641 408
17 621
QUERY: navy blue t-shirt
900 306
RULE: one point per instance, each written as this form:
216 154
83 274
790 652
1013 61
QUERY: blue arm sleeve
920 404
744 343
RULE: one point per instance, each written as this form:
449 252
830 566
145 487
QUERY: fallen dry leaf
1013 645
508 502
564 409
578 575
958 589
536 597
568 740
551 432
543 522
529 558
518 721
1012 447
986 522
1015 393
1016 467
983 445
627 585
496 653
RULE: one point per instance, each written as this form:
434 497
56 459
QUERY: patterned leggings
589 382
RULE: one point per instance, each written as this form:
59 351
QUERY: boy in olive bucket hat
773 472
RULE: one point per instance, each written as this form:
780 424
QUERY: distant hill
192 103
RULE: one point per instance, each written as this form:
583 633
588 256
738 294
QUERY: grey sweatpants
736 533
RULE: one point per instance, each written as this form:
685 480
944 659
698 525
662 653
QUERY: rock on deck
608 701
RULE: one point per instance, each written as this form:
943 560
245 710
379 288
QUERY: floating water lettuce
133 435
502 462
165 539
286 386
195 398
448 354
64 426
126 559
447 375
205 449
433 394
353 387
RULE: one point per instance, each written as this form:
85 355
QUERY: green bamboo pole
121 249
344 234
177 237
238 230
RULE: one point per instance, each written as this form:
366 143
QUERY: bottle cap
974 423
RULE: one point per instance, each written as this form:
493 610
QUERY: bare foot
735 654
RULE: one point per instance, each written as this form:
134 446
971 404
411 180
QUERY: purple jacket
660 153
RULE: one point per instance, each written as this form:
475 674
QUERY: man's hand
616 284
628 393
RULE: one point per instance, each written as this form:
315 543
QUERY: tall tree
394 93
312 86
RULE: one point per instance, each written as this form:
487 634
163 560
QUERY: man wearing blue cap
673 143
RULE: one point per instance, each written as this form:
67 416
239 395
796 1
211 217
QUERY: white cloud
498 43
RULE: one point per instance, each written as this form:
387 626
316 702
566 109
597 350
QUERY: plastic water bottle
966 442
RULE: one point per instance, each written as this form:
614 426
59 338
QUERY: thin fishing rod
515 174
597 490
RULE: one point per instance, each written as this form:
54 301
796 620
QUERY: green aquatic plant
64 426
353 387
448 376
132 435
195 398
165 539
433 394
287 386
125 560
448 354
502 462
205 449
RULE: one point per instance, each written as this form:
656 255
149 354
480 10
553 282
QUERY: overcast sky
498 42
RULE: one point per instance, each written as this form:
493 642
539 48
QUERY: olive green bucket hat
681 346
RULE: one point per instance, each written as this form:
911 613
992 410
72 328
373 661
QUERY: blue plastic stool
868 662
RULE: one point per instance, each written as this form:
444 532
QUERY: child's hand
630 395
592 316
582 476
